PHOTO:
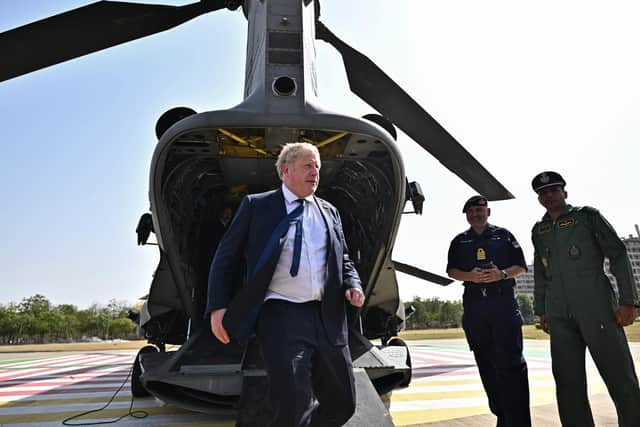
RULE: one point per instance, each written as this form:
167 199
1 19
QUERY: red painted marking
57 391
65 369
63 382
82 377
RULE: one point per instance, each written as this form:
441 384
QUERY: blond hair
290 153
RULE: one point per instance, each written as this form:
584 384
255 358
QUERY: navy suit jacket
251 228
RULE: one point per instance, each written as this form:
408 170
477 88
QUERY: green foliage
10 324
526 308
35 320
122 327
434 313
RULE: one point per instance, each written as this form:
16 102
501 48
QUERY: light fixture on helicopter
170 117
415 194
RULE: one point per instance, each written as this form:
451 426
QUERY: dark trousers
607 343
311 381
493 325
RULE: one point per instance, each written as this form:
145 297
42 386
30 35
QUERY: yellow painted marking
425 382
540 395
436 395
431 415
106 413
210 424
57 402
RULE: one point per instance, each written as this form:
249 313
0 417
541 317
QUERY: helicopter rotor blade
89 29
377 89
421 274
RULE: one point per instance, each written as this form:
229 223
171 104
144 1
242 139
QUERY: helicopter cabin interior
209 170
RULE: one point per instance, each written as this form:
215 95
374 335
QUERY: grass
80 346
528 331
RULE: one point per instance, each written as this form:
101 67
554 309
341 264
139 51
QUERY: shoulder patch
569 222
544 229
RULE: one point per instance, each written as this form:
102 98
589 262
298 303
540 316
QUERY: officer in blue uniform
486 258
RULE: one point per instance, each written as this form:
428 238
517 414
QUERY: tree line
436 313
35 320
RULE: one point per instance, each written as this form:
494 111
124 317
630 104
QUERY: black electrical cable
130 413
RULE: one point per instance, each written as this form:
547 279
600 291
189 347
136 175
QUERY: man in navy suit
298 281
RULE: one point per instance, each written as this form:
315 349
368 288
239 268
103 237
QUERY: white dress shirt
308 285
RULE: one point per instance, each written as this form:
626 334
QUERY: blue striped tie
274 241
297 243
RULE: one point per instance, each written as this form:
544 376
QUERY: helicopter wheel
137 389
399 342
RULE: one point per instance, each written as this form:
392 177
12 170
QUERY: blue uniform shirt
496 244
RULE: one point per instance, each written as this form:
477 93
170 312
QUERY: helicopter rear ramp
370 410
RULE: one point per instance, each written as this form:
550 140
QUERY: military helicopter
205 162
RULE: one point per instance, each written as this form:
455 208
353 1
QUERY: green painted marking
7 362
537 353
88 365
530 352
461 348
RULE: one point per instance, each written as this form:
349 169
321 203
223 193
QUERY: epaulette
463 234
586 209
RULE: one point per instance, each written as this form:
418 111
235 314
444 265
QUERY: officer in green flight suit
578 306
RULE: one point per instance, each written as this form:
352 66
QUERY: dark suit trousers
310 380
493 326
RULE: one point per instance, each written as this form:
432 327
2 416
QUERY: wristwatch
504 274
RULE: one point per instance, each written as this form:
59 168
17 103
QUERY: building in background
633 249
524 282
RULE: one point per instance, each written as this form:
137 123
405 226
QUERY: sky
523 86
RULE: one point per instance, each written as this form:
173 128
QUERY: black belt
492 290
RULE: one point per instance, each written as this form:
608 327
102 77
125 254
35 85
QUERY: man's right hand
626 314
544 323
216 325
477 275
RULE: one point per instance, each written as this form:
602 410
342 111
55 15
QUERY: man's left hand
491 275
626 314
355 297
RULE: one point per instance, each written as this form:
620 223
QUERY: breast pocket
497 251
579 247
543 252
